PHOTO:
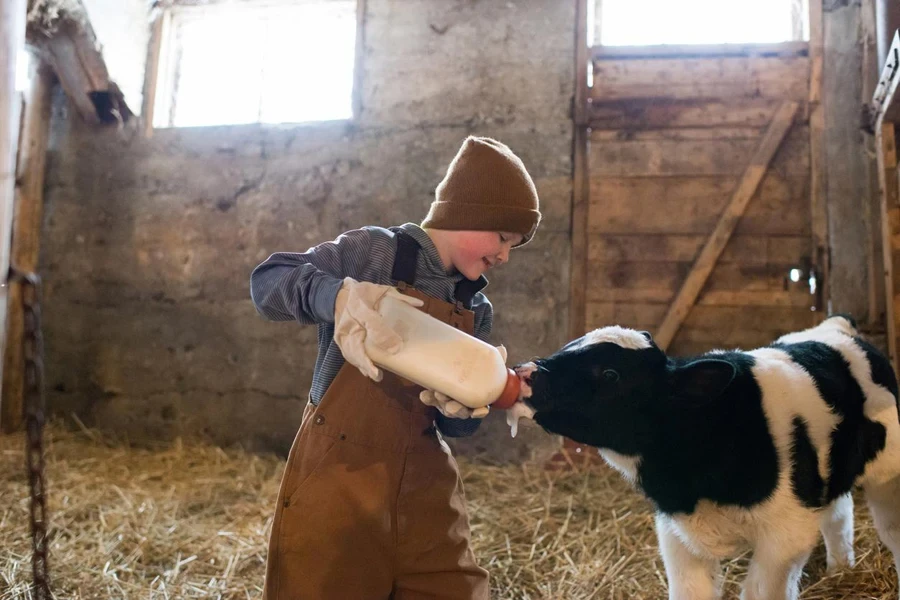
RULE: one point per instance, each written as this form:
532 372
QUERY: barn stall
716 194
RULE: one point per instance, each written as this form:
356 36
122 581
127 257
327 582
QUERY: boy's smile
473 253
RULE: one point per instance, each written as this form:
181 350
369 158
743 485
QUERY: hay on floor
192 521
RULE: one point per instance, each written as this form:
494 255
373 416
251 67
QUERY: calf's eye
610 376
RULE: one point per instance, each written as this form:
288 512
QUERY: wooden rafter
62 35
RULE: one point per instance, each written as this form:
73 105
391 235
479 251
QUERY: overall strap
466 290
404 269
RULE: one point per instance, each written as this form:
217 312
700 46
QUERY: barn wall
149 244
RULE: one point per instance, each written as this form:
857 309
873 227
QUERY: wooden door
700 195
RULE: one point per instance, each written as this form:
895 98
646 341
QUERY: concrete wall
149 244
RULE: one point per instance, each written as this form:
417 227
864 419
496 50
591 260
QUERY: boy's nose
503 256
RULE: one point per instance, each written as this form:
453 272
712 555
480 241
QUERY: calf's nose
526 373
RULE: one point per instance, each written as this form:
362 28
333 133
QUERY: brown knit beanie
486 189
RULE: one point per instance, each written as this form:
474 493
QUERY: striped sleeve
456 428
304 286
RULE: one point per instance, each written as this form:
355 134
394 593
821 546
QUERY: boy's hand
356 319
449 407
502 350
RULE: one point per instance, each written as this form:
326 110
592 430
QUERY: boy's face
474 252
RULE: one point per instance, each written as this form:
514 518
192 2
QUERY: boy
371 504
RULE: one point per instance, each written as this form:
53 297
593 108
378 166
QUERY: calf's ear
702 380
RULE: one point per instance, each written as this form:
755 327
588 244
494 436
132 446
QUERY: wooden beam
580 181
816 48
885 113
26 238
747 187
12 40
699 51
777 78
890 225
641 114
151 79
884 104
871 203
68 43
582 56
887 20
750 250
693 158
580 207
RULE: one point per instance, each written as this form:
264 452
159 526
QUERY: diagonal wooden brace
706 261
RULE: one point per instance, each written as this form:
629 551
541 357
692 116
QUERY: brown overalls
371 503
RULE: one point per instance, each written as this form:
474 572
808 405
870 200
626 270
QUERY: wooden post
818 180
12 38
890 226
886 114
582 56
359 58
580 177
872 204
744 192
151 79
26 237
580 207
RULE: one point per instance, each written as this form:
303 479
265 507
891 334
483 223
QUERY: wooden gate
698 196
698 205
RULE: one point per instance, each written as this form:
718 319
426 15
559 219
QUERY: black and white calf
736 449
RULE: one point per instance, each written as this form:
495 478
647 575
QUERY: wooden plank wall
670 138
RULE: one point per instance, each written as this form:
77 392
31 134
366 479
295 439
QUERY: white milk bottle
442 358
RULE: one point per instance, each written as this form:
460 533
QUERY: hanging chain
34 427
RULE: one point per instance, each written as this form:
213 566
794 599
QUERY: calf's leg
774 576
779 554
884 504
836 524
690 577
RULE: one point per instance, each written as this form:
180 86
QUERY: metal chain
34 427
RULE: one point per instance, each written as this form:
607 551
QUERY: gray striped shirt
303 287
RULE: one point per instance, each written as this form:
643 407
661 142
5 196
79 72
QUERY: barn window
256 62
654 22
23 70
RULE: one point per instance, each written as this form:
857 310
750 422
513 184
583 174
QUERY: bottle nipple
510 394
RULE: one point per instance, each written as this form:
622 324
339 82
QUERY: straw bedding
192 521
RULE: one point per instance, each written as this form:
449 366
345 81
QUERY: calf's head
614 388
